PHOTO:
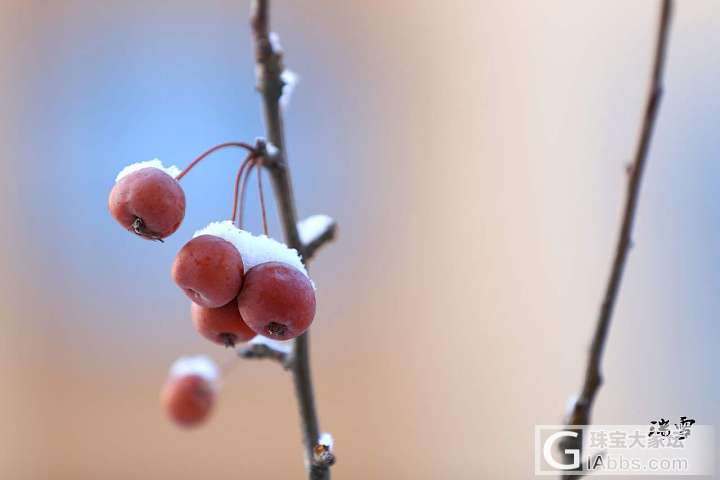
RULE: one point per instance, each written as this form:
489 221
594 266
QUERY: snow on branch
266 348
315 231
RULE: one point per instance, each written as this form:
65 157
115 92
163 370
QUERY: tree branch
269 69
316 231
261 351
581 411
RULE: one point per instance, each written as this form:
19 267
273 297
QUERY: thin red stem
262 196
240 172
253 162
212 150
243 189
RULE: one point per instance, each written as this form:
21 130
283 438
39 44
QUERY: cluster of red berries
241 285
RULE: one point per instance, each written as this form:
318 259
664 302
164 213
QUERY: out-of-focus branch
316 231
269 68
262 351
582 408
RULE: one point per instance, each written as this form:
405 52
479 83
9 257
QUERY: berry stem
243 176
262 196
212 150
243 189
238 177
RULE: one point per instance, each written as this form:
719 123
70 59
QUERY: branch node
269 152
323 456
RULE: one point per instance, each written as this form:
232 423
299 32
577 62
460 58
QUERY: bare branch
269 68
581 411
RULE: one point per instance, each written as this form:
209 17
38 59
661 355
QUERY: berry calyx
148 202
188 399
223 325
209 270
277 301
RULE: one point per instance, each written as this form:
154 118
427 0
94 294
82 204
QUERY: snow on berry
172 170
254 249
200 365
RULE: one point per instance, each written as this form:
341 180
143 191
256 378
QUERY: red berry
223 325
188 399
148 202
277 301
209 270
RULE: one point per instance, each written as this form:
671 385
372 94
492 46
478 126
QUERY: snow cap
199 365
254 249
172 170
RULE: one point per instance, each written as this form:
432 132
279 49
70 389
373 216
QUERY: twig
259 351
319 238
580 414
312 247
269 68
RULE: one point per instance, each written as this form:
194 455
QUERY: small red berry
209 270
223 325
277 301
148 202
188 399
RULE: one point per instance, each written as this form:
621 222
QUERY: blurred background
473 153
